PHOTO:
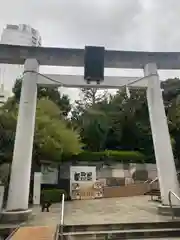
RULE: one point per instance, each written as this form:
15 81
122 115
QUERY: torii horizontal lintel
49 56
77 81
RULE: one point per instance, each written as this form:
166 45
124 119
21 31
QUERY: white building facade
23 35
4 95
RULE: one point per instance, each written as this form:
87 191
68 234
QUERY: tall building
3 95
23 35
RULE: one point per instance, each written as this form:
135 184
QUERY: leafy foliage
7 133
109 156
125 122
103 123
53 137
50 93
53 195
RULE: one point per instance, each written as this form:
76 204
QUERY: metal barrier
147 181
62 217
56 235
154 180
170 201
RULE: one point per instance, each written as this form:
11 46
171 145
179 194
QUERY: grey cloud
123 24
101 22
161 19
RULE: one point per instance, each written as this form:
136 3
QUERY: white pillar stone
1 196
22 156
37 188
161 137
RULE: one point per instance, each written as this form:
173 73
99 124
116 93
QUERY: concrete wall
65 171
116 170
49 174
126 191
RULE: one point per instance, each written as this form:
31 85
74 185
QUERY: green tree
51 93
171 95
130 121
171 90
89 120
7 133
116 122
88 98
95 129
52 136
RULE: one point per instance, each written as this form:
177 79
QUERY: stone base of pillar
166 210
15 216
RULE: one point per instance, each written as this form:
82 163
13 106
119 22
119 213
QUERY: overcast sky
151 25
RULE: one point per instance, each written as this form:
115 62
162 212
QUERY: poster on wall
83 173
82 179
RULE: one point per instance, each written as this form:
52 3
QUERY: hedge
53 195
110 155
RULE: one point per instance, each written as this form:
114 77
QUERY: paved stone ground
111 210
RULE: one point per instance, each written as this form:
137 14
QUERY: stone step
127 234
121 226
35 233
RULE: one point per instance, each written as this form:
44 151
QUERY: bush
53 195
118 156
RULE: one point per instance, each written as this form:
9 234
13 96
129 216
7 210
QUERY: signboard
83 174
82 179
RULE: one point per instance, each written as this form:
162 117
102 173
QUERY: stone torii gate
32 57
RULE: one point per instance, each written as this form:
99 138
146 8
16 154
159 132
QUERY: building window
34 38
33 31
14 27
33 43
24 28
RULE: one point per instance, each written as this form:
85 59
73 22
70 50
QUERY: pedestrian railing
62 217
170 201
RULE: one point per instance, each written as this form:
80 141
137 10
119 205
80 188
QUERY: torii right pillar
161 137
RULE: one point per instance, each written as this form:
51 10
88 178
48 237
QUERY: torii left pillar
18 194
